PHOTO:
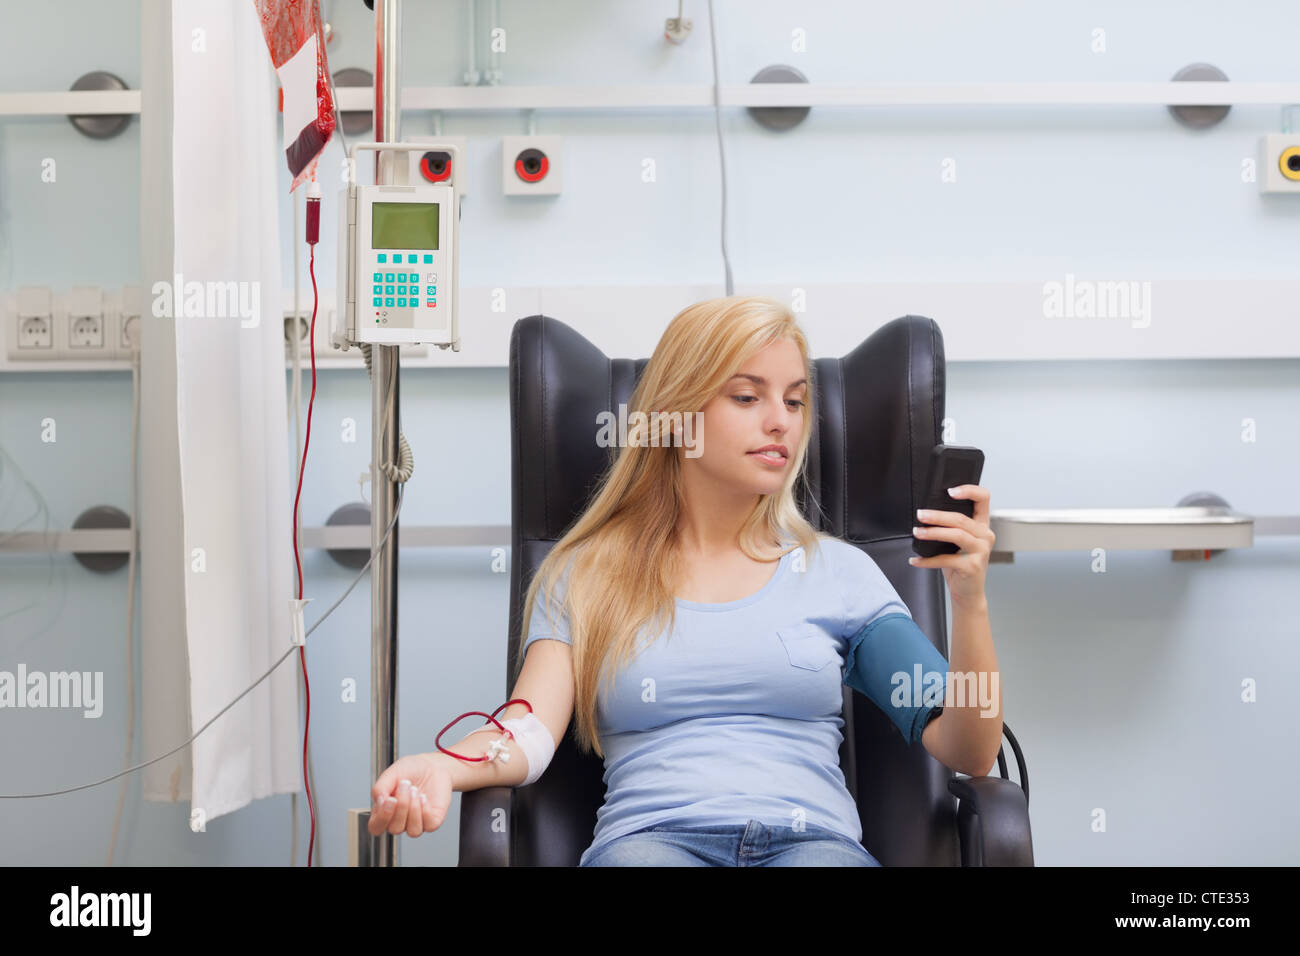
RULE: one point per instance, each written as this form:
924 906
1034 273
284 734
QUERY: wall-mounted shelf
70 103
109 540
681 96
987 321
1191 533
700 95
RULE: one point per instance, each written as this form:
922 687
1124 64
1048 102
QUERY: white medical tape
535 741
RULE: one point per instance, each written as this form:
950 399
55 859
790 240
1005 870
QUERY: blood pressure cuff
893 663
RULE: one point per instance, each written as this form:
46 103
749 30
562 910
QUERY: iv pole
385 368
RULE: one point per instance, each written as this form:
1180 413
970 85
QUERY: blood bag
296 39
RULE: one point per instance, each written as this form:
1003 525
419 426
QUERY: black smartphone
950 466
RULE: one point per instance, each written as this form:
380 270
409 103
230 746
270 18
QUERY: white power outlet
128 335
36 334
323 348
297 337
86 333
127 328
82 325
31 325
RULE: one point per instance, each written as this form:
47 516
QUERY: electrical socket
127 322
300 339
324 318
31 325
128 336
36 335
83 325
86 333
324 350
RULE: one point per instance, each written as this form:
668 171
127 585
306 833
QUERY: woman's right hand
397 808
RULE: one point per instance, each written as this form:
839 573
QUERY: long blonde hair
618 558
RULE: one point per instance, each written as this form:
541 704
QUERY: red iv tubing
492 717
313 236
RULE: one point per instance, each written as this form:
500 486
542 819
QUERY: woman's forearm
972 709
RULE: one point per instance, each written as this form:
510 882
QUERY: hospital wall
1124 687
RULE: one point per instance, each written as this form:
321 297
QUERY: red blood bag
296 39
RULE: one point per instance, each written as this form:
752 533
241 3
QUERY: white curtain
221 459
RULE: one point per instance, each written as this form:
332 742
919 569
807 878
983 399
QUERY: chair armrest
992 822
482 841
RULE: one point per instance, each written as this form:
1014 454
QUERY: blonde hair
618 558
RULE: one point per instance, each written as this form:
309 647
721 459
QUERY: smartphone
950 466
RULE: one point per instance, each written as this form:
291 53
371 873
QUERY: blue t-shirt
737 714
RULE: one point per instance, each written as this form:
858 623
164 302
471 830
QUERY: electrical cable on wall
722 156
47 528
397 510
131 588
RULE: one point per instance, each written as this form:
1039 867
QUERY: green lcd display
404 225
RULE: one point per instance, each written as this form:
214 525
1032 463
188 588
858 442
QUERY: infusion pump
398 260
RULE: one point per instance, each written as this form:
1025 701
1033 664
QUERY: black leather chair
879 411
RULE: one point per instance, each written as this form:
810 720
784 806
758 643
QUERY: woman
695 601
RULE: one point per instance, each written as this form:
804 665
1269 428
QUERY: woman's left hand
964 571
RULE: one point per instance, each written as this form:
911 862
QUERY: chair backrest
879 412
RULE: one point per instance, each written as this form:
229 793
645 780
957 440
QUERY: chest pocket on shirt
807 646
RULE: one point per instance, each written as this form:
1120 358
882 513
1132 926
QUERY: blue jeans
750 844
